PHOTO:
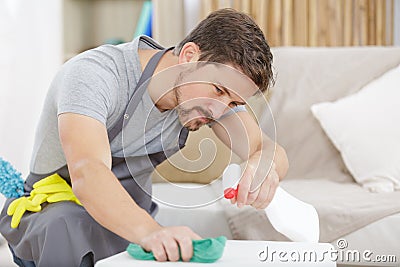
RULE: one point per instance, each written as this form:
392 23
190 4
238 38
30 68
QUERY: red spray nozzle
230 193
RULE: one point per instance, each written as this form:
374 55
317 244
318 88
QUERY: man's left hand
258 184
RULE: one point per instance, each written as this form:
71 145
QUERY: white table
245 253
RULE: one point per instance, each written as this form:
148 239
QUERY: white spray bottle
290 216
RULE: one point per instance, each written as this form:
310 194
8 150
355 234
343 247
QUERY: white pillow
365 128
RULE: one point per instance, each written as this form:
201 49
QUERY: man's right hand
166 242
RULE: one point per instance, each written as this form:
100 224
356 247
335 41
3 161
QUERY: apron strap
137 94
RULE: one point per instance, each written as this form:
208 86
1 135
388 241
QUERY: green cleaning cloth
204 250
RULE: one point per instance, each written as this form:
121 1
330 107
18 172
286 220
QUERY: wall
89 23
30 54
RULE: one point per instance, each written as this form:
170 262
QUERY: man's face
201 103
204 91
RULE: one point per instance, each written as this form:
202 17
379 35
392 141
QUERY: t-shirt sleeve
85 88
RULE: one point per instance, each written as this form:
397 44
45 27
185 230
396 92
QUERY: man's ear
190 52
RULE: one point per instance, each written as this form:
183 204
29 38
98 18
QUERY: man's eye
219 91
233 104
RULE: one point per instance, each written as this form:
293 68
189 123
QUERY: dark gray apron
63 233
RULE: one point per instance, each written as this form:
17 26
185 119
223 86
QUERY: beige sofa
317 174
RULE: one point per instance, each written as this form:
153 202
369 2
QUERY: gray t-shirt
99 83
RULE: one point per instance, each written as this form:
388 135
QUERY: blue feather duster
11 182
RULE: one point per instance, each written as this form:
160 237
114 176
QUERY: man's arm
87 151
267 162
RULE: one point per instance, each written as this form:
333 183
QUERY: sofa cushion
202 160
365 128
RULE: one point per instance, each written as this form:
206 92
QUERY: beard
184 113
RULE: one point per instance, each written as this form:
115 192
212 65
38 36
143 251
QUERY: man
99 128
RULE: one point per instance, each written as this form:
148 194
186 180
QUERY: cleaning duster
11 182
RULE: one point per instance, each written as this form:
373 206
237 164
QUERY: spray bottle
290 216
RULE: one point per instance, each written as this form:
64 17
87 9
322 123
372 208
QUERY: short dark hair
230 37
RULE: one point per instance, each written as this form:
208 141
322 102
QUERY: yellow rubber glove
51 189
18 207
63 196
52 179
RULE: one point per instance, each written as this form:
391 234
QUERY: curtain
290 22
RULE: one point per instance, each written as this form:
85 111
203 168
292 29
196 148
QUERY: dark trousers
87 260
